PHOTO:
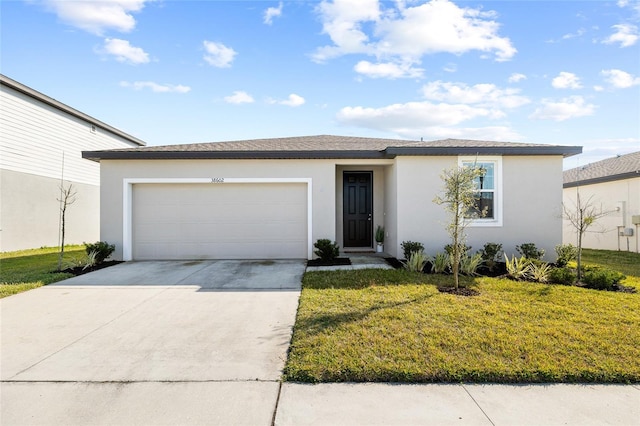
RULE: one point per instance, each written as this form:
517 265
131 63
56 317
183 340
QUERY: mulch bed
460 291
339 261
80 270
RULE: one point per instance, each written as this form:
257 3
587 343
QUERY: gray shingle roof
328 146
621 167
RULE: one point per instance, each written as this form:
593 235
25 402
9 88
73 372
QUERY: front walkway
358 261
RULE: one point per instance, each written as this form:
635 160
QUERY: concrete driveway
197 342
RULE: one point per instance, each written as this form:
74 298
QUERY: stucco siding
532 196
30 212
322 173
621 199
34 136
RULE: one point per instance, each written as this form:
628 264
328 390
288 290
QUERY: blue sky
558 72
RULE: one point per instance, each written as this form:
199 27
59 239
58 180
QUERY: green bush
602 278
566 253
530 251
326 249
491 253
517 267
564 276
538 271
441 263
99 251
470 264
409 247
416 261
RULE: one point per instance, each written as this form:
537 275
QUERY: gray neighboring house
273 198
611 185
36 133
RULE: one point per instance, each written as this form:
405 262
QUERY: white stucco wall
621 199
404 189
532 196
34 139
322 172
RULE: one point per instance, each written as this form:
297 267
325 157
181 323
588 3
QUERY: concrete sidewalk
459 404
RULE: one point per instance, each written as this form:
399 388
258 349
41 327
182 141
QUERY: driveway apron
201 342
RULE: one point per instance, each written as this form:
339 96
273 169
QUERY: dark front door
358 208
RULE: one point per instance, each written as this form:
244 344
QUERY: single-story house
41 140
274 198
612 186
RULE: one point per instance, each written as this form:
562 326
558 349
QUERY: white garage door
219 221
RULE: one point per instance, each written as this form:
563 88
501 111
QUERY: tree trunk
62 240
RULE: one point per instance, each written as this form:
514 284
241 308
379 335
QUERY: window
488 187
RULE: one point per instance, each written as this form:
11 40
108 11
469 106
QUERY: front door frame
369 209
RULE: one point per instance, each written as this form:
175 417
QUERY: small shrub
463 250
470 264
564 276
409 247
102 250
566 253
602 278
416 261
91 260
530 251
441 263
538 271
517 267
326 249
490 254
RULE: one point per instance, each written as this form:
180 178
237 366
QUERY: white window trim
127 203
496 221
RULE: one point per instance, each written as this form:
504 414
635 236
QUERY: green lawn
394 326
26 269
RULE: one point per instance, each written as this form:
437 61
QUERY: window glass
485 187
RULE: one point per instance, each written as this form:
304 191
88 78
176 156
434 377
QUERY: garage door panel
227 221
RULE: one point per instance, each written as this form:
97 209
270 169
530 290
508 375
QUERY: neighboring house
611 186
273 198
41 141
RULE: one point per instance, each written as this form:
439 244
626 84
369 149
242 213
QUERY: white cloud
97 16
450 67
516 77
566 80
620 79
487 95
626 35
272 12
578 33
155 87
402 35
218 55
564 109
425 119
124 52
293 101
400 117
387 70
239 97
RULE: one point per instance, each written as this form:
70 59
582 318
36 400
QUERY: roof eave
565 151
602 179
230 155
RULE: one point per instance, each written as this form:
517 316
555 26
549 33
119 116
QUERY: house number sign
217 180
